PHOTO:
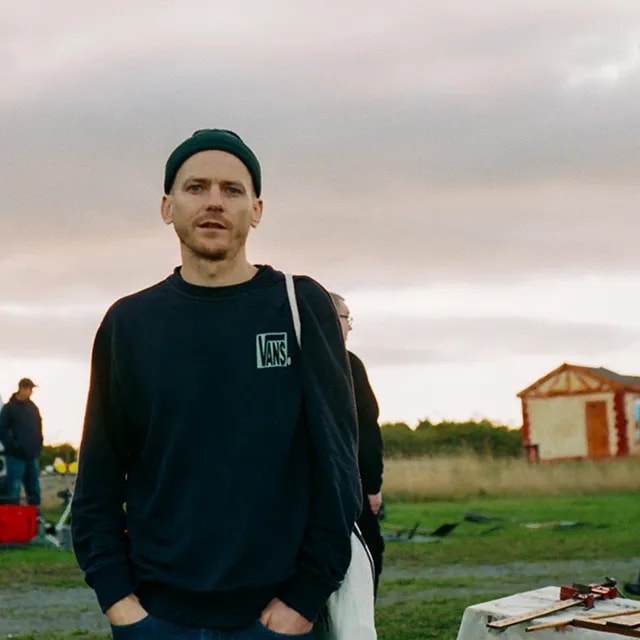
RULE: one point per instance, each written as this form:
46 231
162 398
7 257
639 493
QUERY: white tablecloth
475 618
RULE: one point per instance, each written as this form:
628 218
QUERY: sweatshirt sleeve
370 447
98 517
336 499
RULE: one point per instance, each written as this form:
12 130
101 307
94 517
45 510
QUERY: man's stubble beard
203 253
217 254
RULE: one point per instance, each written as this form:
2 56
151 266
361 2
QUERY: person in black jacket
233 450
370 447
21 437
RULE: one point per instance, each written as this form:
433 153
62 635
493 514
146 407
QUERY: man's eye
234 190
194 188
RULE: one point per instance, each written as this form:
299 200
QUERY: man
370 448
21 437
233 452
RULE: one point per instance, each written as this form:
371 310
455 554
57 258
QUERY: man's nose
214 198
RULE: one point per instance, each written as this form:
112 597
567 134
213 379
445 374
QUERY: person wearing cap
21 437
232 450
370 446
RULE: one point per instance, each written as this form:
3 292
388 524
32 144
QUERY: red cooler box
18 523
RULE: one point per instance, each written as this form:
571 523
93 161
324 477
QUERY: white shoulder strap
295 313
293 303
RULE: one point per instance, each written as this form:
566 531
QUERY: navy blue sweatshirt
233 451
21 429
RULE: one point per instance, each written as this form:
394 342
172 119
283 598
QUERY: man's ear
256 214
166 209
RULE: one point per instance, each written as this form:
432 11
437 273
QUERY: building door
597 429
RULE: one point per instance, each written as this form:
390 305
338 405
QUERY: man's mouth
211 224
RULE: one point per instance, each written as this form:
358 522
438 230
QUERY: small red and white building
581 412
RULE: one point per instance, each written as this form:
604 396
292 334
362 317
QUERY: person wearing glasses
370 447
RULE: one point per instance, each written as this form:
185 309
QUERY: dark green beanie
207 140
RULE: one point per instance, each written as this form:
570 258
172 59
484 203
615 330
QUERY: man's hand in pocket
126 611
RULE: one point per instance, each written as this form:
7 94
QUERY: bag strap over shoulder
293 304
297 327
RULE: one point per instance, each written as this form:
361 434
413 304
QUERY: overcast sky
466 174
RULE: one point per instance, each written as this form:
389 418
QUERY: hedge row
427 439
451 438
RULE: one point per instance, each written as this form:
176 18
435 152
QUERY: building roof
632 381
570 379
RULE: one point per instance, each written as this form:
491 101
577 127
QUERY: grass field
531 542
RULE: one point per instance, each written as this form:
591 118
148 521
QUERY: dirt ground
50 485
30 612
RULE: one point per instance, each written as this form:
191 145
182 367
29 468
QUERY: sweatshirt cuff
306 594
371 489
112 583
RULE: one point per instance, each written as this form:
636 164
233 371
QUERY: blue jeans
151 628
22 472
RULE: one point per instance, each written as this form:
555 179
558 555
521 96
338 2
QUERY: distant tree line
450 438
427 439
50 452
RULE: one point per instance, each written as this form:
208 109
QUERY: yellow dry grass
470 475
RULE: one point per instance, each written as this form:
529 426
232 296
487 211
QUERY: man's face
212 206
344 316
24 393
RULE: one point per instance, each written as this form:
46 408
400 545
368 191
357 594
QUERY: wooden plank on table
625 620
601 625
612 614
568 621
538 613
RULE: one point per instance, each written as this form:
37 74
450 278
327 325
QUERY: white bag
349 612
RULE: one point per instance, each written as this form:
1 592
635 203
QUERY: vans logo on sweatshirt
271 350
